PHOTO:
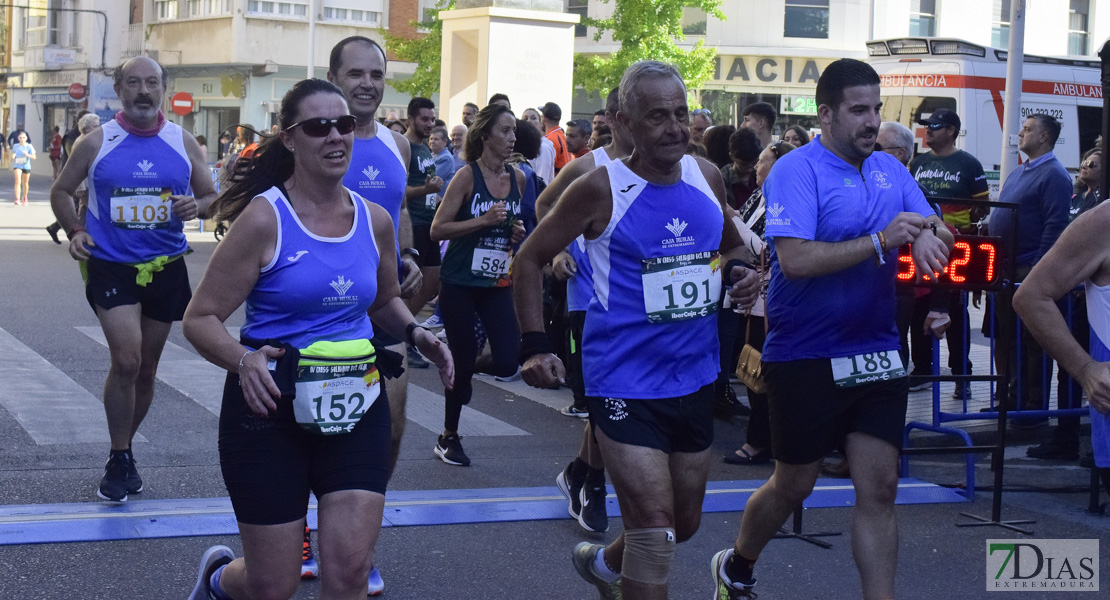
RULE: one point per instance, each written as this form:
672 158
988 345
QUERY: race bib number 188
869 367
681 287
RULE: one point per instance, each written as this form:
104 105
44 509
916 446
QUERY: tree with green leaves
424 50
646 30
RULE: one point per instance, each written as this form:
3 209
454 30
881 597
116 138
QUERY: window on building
693 20
1000 30
578 7
37 24
806 19
365 17
1078 32
165 9
283 9
923 17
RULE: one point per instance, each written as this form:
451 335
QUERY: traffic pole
1104 55
1011 117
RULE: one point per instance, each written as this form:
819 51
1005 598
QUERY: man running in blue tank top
583 480
146 177
837 212
656 239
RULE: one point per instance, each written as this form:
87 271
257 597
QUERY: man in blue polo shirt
837 212
1042 188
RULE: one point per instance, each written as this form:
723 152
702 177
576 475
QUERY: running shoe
593 516
726 588
374 584
574 411
214 558
310 569
450 451
113 486
583 558
416 361
962 391
433 322
513 377
570 490
134 482
441 335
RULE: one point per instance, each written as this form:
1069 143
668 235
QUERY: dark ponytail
273 162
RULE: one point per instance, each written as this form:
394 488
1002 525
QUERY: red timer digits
974 263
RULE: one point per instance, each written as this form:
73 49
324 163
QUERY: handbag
749 369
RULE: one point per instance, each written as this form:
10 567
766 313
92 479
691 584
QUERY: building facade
226 61
775 50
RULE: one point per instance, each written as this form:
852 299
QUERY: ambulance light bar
908 46
877 49
955 47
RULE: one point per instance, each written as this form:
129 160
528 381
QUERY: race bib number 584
681 287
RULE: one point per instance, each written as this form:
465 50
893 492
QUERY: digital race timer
975 263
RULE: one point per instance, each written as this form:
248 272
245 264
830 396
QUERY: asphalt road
51 330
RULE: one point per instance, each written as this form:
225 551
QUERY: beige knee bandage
648 554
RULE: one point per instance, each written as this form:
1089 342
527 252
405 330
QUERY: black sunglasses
936 126
882 148
321 127
701 111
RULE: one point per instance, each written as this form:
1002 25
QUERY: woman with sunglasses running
302 406
480 214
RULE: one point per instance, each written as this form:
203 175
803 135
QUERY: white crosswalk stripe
49 406
425 408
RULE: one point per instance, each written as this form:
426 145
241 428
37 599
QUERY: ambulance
921 75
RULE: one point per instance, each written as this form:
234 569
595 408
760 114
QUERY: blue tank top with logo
377 173
651 327
315 288
580 286
130 181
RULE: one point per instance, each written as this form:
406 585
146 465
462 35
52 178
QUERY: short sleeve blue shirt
812 194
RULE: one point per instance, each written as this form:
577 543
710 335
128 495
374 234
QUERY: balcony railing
134 40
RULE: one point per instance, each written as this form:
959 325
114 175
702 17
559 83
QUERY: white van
920 75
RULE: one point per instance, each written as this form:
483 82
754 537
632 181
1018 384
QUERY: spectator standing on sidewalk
948 172
1042 188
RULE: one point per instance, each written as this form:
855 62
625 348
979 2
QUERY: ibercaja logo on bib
1042 566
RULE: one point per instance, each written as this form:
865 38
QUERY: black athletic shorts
810 415
426 246
270 464
111 284
682 424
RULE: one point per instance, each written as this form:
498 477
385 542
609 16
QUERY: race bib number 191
681 287
869 367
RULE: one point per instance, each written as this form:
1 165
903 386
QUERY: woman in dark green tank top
480 216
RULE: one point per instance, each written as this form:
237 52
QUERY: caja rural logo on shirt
371 182
144 173
676 227
774 210
341 284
